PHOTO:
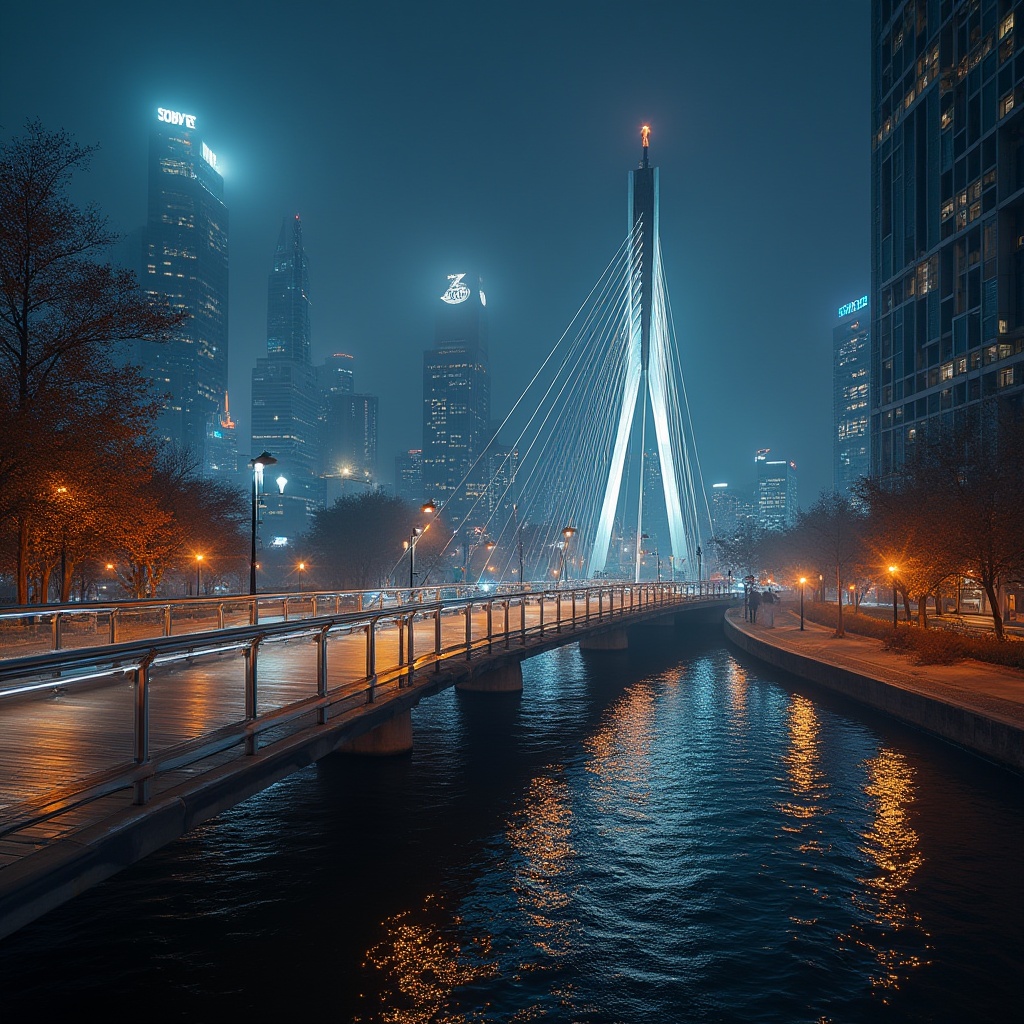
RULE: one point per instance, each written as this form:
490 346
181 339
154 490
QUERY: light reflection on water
666 835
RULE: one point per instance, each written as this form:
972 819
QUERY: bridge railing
377 651
35 628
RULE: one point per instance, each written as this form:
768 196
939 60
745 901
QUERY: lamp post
199 574
700 555
567 534
258 464
892 573
416 533
803 586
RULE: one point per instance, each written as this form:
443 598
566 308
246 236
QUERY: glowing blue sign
852 307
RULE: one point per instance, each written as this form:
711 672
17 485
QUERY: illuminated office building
457 403
851 365
185 262
285 398
776 496
947 230
409 476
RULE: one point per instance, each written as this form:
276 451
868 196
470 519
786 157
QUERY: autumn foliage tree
70 415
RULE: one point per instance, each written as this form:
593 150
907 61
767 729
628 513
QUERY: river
674 833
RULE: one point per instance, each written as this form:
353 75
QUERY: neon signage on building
457 291
175 117
852 307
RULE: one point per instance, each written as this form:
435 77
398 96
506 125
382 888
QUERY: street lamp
417 532
258 464
803 585
700 555
567 533
199 574
892 572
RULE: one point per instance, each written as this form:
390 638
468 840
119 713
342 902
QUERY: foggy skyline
417 142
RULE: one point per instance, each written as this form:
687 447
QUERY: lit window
1006 377
1006 104
947 371
1006 25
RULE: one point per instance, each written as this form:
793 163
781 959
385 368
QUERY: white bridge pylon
566 486
650 362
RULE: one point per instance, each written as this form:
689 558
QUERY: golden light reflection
540 834
620 750
893 847
807 783
738 686
421 964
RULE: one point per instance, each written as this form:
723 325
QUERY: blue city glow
852 307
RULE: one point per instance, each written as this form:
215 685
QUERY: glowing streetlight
568 533
803 586
258 464
199 574
892 572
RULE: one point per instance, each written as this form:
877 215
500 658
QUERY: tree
60 312
357 543
831 534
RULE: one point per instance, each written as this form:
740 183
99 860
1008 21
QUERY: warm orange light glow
110 565
645 134
803 580
302 565
199 558
892 569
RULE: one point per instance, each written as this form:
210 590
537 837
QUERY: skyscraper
947 231
285 399
457 402
409 476
776 491
185 261
851 364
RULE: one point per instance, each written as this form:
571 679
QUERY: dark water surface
671 834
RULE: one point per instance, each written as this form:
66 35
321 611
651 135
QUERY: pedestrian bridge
111 751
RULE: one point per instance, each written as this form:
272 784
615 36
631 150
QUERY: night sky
418 140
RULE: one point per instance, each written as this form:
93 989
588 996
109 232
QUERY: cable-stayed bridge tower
599 447
649 360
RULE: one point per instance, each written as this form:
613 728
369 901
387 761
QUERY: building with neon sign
185 263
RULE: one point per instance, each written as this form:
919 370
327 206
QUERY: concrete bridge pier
393 736
611 640
506 677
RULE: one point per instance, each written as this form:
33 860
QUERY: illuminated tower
457 402
650 369
185 262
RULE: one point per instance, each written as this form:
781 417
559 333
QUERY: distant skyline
415 143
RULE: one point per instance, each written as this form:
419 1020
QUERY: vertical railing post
284 608
437 639
558 612
251 658
469 630
572 597
412 652
505 603
401 641
113 625
312 606
522 619
321 673
142 724
371 658
490 625
167 620
542 614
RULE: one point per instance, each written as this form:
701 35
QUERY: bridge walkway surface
79 798
976 705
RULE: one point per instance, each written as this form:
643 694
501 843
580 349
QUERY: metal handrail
68 668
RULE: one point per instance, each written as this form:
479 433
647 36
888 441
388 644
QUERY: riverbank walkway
973 704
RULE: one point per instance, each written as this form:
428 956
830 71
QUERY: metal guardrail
106 622
561 609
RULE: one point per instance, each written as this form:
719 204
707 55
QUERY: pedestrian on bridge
755 603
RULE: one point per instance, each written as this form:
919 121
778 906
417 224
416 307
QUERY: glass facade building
457 403
285 397
185 262
851 367
947 233
776 491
